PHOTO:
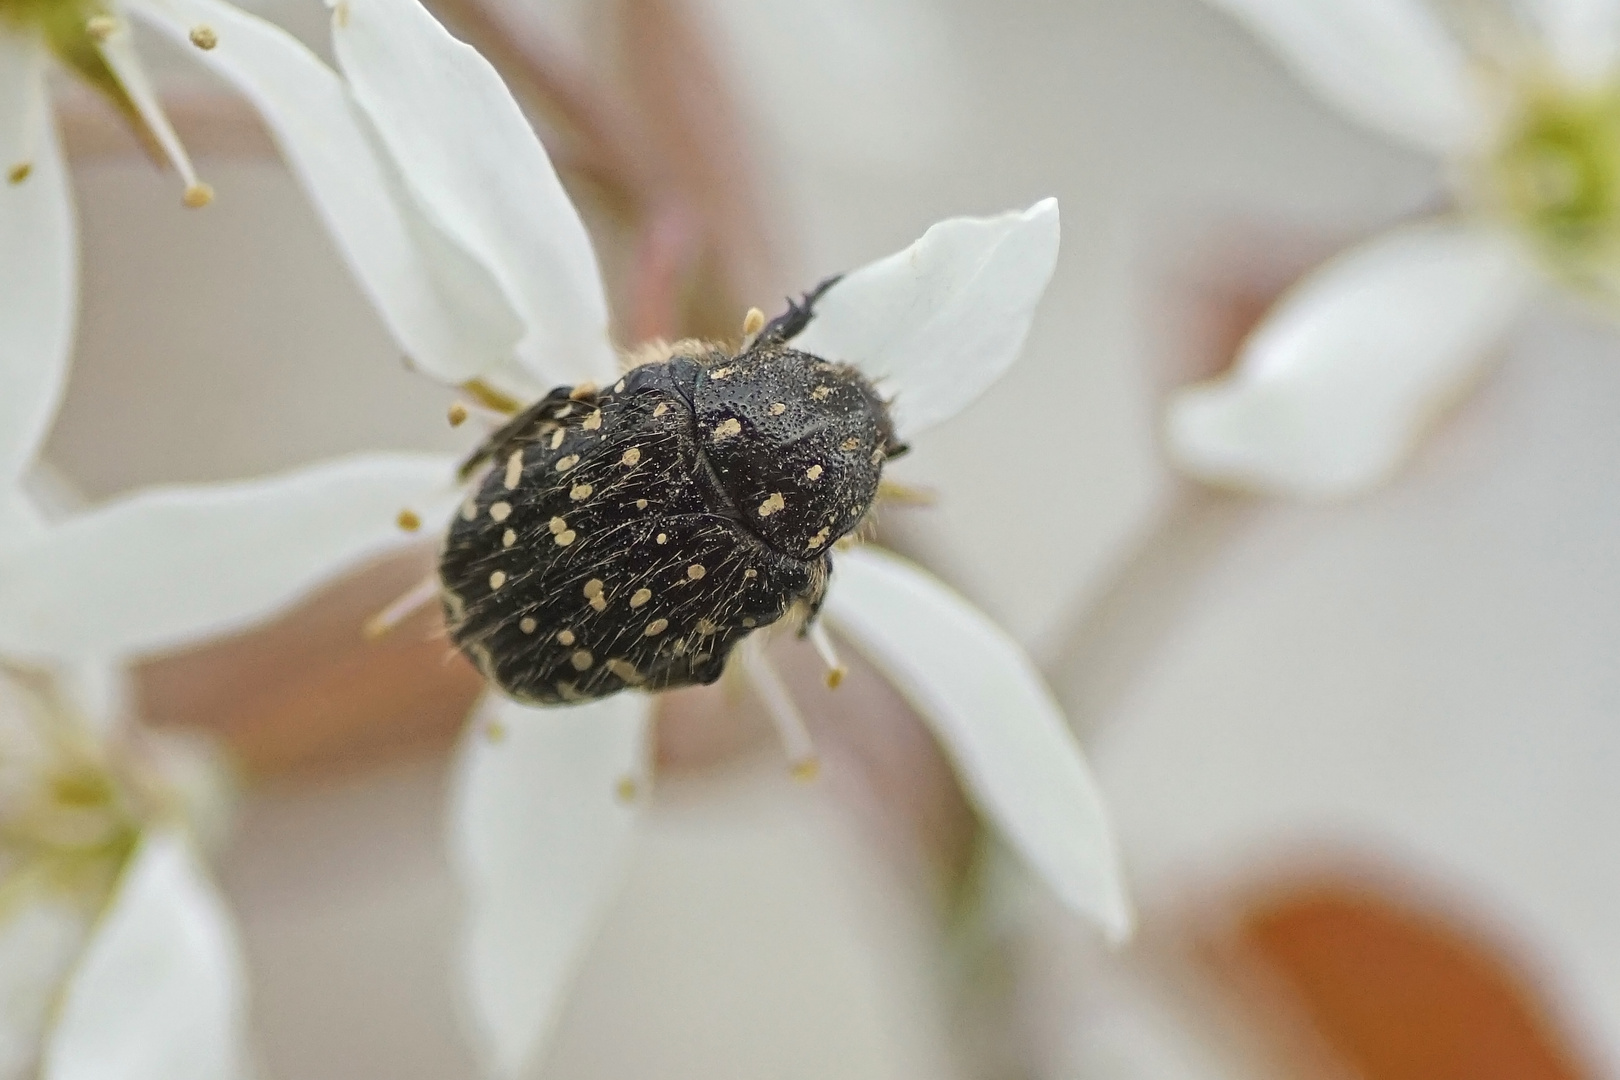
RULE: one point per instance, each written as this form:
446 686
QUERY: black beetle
632 537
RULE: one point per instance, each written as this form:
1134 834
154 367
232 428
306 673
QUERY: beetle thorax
796 443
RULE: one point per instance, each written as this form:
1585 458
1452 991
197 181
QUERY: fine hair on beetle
633 536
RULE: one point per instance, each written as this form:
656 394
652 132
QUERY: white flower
1523 108
540 822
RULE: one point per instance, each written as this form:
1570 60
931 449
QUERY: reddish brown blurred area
308 693
1390 988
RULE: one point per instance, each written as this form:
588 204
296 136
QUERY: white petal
39 270
539 831
160 993
20 519
1583 35
1332 390
995 718
466 150
937 323
442 307
1387 63
170 565
40 939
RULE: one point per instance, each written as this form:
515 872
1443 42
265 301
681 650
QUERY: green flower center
1558 174
69 28
68 817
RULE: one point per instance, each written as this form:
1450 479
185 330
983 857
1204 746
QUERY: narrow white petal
539 830
1386 63
1332 390
995 718
170 565
160 993
40 939
1583 35
442 307
467 151
39 267
936 324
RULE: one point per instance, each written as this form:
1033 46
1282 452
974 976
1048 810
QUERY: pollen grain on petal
19 172
626 790
204 37
457 414
409 520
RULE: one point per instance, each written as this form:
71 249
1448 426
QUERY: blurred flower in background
117 954
1523 103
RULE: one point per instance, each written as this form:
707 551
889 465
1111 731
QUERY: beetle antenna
791 323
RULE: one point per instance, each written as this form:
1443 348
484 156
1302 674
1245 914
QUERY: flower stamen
100 27
753 323
785 715
113 41
824 647
389 618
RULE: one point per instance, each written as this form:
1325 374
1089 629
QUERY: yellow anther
19 172
198 195
458 414
408 520
627 789
806 770
204 37
753 322
835 677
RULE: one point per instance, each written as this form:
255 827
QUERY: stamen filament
823 642
30 78
118 49
462 411
789 721
390 617
492 399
